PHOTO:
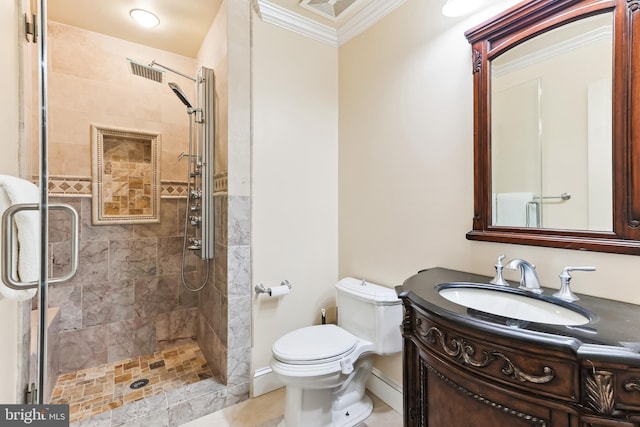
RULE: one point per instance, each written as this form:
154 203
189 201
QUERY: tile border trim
80 186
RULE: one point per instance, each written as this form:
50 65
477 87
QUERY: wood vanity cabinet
456 375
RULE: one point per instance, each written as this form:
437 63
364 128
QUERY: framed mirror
125 178
555 120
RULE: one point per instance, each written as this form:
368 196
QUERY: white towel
26 245
512 209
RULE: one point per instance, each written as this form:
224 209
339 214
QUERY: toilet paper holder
260 289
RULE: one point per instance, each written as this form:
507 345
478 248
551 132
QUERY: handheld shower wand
180 94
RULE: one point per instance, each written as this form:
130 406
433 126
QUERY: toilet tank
370 312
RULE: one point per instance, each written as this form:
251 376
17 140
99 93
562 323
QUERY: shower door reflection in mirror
551 129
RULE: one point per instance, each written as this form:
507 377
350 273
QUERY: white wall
294 181
9 129
406 163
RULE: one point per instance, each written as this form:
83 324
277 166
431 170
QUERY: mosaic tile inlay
103 388
127 176
81 186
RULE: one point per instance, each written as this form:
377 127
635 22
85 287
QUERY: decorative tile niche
126 176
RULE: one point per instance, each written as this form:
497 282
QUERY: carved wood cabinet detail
454 372
632 385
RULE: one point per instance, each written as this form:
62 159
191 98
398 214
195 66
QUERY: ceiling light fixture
455 8
144 18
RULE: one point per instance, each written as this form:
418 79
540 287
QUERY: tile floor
267 410
96 390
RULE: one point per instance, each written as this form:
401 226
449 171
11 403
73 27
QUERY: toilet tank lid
361 289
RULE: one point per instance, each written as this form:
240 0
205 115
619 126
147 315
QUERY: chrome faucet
529 278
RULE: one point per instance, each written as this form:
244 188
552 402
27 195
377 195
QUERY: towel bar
563 196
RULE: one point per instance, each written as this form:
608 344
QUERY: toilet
325 367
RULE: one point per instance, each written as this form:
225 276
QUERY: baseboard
387 390
264 381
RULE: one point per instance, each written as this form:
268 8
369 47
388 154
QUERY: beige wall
406 163
294 181
213 54
90 82
239 98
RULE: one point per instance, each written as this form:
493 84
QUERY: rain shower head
180 94
146 71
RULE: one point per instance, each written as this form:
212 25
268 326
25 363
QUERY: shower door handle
7 245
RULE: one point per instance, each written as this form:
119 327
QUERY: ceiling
185 23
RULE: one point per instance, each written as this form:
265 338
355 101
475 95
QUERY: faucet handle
565 278
498 279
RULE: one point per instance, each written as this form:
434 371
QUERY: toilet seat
314 345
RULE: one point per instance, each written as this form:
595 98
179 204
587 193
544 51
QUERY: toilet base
333 399
354 413
349 416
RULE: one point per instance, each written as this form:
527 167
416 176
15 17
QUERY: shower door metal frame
43 208
43 286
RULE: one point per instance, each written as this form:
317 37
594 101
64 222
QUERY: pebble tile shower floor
103 388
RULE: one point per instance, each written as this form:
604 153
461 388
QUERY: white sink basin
514 304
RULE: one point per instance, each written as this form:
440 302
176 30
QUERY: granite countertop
613 334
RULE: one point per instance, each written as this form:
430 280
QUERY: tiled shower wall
212 302
127 298
225 309
221 311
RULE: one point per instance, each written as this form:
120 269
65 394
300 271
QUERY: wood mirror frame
519 24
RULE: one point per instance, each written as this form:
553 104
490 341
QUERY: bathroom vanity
464 367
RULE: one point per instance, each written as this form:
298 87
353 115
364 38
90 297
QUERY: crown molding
284 18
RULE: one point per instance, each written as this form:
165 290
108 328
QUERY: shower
180 94
130 316
199 211
146 71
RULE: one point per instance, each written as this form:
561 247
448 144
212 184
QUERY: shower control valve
195 220
195 208
195 194
194 244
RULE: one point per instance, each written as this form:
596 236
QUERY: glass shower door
25 208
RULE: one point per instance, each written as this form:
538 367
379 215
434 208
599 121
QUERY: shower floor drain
139 383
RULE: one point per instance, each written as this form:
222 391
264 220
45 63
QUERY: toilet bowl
325 367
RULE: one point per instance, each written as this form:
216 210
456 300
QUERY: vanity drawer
516 364
627 384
